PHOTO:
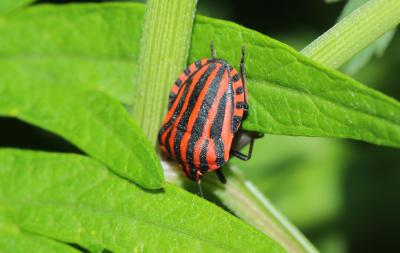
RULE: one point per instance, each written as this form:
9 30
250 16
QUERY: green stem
355 32
163 55
252 206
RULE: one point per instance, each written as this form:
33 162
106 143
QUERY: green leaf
377 48
74 199
290 94
16 241
91 120
91 45
10 5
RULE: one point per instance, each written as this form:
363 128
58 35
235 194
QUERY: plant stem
355 32
163 55
252 206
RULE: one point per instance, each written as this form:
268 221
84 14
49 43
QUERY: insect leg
212 48
221 176
243 76
247 157
242 156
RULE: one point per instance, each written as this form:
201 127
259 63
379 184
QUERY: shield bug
206 106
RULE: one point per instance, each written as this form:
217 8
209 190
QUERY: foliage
70 74
67 198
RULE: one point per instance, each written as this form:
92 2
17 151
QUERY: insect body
206 106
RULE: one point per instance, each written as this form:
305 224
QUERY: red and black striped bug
206 106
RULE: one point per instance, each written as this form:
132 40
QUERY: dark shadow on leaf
78 247
17 134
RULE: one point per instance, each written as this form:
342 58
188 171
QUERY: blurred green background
344 195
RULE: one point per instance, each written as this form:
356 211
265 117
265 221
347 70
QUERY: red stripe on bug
207 104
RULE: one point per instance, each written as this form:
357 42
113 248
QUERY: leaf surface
10 5
94 122
16 241
72 198
91 45
290 94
